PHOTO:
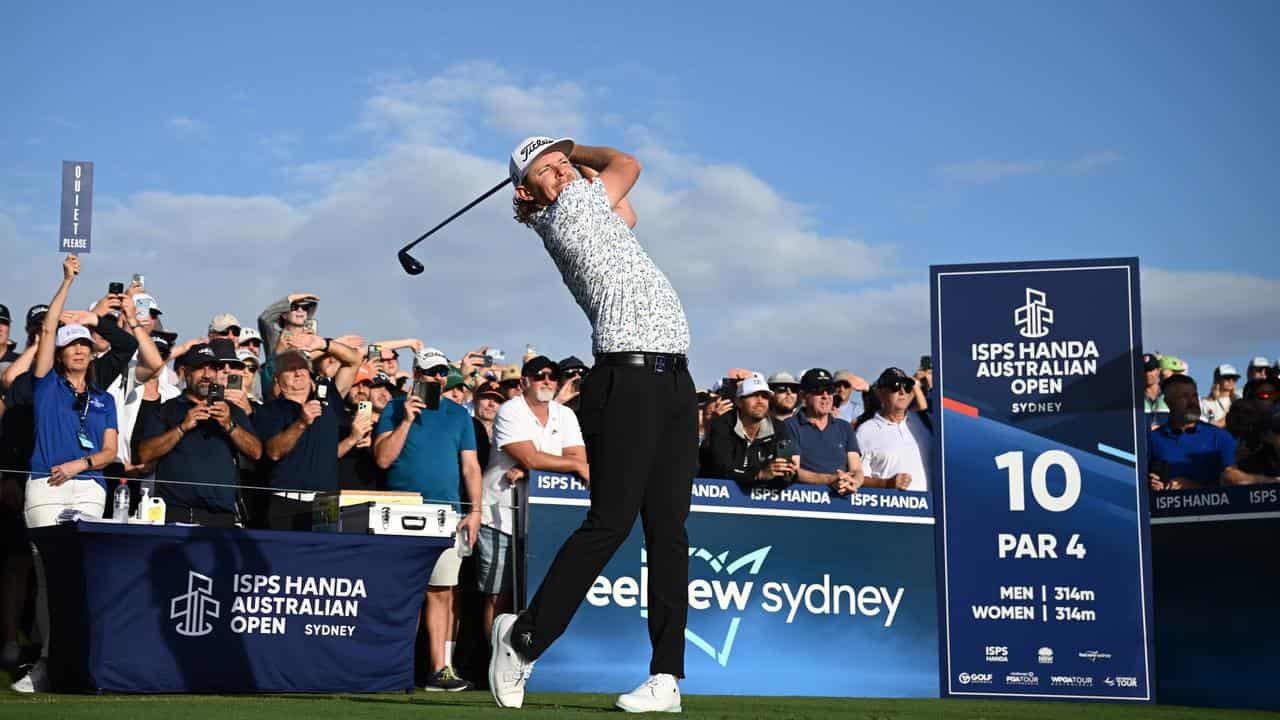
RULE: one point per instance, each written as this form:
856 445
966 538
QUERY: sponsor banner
873 504
769 590
1219 503
77 207
1043 545
209 610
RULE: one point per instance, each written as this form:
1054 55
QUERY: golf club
410 263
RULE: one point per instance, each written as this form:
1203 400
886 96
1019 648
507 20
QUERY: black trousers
199 516
641 433
286 514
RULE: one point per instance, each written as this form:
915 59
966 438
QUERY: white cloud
1224 314
983 172
1093 161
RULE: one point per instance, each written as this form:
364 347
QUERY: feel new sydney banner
1044 567
791 592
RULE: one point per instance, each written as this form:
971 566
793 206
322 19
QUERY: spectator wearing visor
785 397
827 446
300 430
196 438
1215 406
747 444
433 452
75 436
895 441
533 431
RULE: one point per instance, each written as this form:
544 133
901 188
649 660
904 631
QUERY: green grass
479 705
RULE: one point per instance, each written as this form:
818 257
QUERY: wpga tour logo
1034 318
193 608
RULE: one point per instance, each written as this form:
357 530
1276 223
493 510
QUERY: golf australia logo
193 608
1034 318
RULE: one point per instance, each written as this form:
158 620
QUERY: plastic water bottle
120 505
143 502
462 543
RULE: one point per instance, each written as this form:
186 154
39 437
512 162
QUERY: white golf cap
247 334
1225 370
530 149
221 322
430 358
68 334
783 378
752 384
1258 362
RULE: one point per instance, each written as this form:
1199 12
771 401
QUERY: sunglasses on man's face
572 373
545 376
900 386
232 331
300 306
436 372
783 389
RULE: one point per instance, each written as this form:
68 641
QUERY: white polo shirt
517 423
889 448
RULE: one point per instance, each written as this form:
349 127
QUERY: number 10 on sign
1039 545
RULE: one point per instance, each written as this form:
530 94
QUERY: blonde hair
525 211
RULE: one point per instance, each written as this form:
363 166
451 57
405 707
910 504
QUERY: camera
217 393
115 288
235 381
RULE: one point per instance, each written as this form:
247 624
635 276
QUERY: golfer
638 413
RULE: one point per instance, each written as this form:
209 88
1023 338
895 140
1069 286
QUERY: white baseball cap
247 334
530 149
752 384
430 358
68 334
243 355
1259 362
222 321
1225 370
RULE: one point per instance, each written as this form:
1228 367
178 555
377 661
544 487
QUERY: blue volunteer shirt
822 451
313 463
1199 453
429 462
58 425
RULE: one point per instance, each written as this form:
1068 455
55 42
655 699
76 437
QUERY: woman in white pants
75 437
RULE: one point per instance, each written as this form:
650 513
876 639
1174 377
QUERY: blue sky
803 168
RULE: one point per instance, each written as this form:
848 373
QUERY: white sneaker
660 693
35 681
508 672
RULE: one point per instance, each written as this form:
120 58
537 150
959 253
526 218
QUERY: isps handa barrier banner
141 609
1043 537
791 592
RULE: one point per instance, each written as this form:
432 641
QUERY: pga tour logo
1022 678
195 607
974 678
1034 318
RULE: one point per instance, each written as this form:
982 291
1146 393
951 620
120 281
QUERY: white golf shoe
508 672
660 693
35 681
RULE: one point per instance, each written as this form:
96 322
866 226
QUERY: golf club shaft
454 216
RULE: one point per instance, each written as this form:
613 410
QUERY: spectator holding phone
572 371
299 430
532 431
827 446
895 442
746 444
846 400
357 469
197 437
75 436
427 444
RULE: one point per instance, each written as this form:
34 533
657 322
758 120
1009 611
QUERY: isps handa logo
195 607
1034 318
732 596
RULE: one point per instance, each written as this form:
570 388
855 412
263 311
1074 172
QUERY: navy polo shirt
1199 453
58 425
429 462
312 465
822 451
204 455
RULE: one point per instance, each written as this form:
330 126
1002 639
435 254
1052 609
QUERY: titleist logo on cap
529 149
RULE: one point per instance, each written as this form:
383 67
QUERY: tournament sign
1044 562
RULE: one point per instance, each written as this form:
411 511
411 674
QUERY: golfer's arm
618 170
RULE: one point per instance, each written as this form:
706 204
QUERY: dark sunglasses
575 372
251 367
545 376
301 306
233 330
900 385
436 372
824 390
783 388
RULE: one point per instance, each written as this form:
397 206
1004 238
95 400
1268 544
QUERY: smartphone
235 381
728 388
364 407
322 393
926 362
494 355
115 288
428 392
783 450
139 280
375 352
217 393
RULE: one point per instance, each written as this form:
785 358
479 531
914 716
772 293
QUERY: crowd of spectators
244 426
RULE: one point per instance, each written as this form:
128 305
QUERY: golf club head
410 265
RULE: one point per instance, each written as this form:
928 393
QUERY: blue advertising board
77 207
791 592
1043 538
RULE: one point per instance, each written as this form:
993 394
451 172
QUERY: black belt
657 362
